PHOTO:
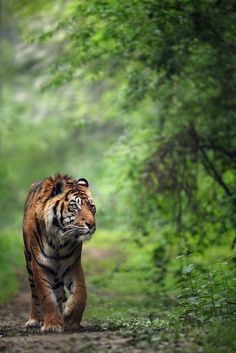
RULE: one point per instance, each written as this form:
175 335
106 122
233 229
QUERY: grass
220 338
11 262
120 281
123 297
167 339
119 277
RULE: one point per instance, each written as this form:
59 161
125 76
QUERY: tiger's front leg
52 318
35 319
76 302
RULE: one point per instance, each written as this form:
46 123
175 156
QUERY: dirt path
15 339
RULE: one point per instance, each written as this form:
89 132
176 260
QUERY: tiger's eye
92 208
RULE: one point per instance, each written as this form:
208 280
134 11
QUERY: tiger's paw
33 323
72 326
72 323
53 325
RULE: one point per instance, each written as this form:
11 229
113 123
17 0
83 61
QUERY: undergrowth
11 263
205 293
186 310
190 309
122 283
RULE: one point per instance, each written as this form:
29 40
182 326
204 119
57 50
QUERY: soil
14 338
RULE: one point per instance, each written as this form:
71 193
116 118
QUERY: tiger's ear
58 188
83 182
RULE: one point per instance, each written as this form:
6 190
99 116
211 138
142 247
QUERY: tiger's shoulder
42 191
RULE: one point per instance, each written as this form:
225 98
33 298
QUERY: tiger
59 215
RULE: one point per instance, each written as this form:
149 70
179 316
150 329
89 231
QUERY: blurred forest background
139 97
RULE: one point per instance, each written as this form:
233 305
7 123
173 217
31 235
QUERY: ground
15 339
93 337
124 312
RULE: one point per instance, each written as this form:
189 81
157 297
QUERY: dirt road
15 339
92 338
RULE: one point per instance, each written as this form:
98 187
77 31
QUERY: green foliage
206 294
197 316
198 293
11 258
177 152
120 272
147 335
139 97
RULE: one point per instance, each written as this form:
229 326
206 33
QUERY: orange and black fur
59 215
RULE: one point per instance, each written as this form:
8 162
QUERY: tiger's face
71 214
78 216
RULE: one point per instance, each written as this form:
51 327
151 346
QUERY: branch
228 153
210 168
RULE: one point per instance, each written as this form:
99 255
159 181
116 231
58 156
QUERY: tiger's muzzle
79 233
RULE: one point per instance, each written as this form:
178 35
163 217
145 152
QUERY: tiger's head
70 212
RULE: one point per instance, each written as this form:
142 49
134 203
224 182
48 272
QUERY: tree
172 64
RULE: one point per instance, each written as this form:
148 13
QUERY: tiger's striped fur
59 214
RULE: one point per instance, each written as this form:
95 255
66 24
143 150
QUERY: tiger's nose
89 225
